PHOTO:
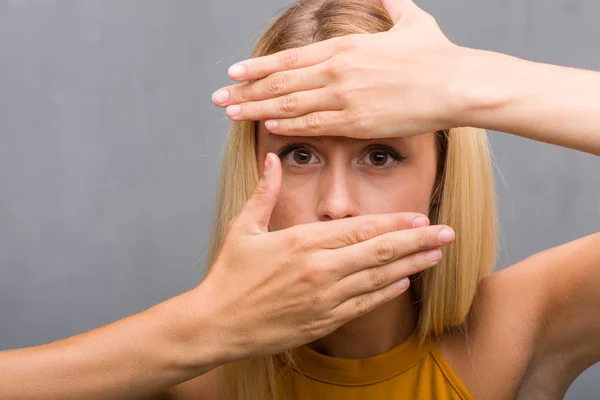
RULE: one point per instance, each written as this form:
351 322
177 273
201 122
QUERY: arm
231 315
133 357
571 319
543 102
413 80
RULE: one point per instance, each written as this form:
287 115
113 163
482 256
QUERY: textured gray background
109 148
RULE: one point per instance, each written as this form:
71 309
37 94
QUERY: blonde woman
365 175
525 332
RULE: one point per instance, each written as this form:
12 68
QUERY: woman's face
326 178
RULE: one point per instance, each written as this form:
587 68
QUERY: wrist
481 86
197 339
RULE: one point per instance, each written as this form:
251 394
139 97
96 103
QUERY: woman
529 333
268 294
441 174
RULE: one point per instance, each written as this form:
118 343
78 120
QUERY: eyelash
397 157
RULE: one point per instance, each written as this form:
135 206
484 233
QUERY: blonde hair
464 198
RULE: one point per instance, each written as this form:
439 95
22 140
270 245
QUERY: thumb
397 9
256 214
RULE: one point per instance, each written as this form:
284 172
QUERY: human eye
381 156
298 155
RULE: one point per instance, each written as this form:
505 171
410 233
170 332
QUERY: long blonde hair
464 198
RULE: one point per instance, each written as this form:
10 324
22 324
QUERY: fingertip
403 284
220 97
272 171
446 235
237 72
420 221
272 125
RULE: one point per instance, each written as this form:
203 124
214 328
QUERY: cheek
296 203
406 193
407 189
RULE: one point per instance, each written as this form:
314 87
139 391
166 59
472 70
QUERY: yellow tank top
406 371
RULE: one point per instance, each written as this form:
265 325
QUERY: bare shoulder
528 316
203 387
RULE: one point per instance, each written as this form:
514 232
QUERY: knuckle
365 233
358 121
384 251
340 95
296 242
424 240
276 84
351 41
313 122
289 104
290 59
338 67
318 327
316 300
361 305
261 188
313 275
244 92
377 277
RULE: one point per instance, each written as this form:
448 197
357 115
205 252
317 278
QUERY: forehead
265 137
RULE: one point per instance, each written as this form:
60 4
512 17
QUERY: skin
338 177
535 325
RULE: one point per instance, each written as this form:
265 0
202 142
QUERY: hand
272 291
389 84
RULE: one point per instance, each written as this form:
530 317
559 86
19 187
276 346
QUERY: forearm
136 356
543 102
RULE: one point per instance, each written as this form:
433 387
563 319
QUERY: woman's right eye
298 156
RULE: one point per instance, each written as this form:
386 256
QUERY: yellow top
406 371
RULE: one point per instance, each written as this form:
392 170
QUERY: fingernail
446 236
403 283
434 255
271 125
220 96
420 221
236 71
268 164
234 110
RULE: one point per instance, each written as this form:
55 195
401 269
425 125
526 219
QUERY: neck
376 332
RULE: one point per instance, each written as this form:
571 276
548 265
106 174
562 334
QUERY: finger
321 123
277 84
349 231
389 247
258 68
288 106
397 8
361 305
257 212
376 278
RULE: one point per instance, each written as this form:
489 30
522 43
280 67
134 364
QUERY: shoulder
203 387
527 316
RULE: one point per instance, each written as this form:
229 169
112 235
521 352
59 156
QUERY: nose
338 191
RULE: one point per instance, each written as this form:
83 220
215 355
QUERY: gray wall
109 147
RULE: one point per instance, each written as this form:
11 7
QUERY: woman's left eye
381 158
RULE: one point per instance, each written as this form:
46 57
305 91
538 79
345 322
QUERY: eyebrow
309 138
271 135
